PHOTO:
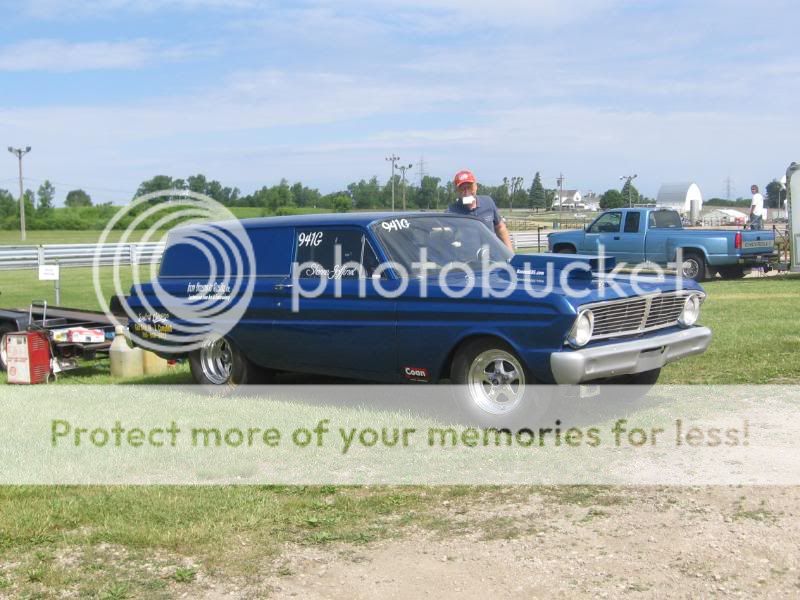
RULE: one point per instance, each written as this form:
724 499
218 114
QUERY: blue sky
111 92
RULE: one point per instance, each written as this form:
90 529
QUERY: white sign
48 273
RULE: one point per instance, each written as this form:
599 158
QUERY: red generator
28 357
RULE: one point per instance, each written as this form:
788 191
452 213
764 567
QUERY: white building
679 196
568 199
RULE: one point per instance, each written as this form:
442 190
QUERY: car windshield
446 239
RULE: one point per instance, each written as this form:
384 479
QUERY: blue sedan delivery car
406 297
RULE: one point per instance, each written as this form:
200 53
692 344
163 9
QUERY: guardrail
78 255
83 255
530 239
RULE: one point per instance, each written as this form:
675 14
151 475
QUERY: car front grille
632 316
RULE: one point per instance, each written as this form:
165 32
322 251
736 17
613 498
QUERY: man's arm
502 232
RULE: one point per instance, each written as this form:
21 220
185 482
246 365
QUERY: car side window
664 219
334 254
607 223
632 222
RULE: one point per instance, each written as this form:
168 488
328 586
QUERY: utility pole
403 169
392 159
629 178
560 182
20 152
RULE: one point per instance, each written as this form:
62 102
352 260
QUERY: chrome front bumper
629 357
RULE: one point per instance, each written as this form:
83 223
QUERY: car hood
567 280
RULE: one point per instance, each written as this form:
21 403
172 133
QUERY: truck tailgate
756 242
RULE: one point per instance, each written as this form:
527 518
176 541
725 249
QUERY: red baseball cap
463 177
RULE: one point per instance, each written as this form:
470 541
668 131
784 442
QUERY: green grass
756 334
19 288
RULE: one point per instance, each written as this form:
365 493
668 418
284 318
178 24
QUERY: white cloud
61 56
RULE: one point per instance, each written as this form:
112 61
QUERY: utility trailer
73 333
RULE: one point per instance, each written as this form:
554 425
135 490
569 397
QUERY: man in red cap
483 207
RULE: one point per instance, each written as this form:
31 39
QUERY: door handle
282 286
616 237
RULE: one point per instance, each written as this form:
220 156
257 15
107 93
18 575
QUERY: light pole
20 152
560 182
403 169
392 159
629 178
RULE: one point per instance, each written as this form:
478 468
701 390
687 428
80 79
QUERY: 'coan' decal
416 373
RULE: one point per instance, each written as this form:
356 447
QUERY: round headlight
691 311
581 331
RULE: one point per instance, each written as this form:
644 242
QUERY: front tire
493 386
565 249
694 266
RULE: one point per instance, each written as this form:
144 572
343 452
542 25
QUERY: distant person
483 207
756 209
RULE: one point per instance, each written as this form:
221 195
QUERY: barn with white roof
679 196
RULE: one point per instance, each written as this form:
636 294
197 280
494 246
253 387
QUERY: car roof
359 218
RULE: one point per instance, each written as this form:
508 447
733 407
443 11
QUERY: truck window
664 219
316 252
632 222
607 223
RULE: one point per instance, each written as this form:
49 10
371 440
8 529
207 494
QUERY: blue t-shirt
485 209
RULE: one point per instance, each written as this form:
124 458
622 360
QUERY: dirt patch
577 542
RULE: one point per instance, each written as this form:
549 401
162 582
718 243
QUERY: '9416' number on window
312 238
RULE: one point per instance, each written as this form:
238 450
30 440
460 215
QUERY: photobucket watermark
535 276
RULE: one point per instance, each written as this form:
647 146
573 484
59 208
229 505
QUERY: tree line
429 193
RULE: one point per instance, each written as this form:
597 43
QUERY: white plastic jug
126 362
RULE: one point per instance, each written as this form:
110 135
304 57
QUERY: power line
77 185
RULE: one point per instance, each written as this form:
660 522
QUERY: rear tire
493 386
221 366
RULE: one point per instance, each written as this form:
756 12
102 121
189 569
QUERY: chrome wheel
496 381
691 267
216 361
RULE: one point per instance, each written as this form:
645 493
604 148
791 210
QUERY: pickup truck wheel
565 249
493 387
694 266
219 363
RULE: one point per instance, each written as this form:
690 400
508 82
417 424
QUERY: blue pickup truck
638 235
355 296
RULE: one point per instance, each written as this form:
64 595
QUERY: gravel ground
633 542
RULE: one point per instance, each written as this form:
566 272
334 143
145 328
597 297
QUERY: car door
331 317
628 244
602 233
